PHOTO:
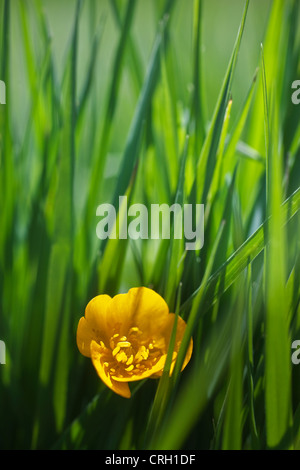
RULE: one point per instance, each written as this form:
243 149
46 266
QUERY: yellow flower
127 337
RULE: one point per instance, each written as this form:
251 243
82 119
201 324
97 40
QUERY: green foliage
118 115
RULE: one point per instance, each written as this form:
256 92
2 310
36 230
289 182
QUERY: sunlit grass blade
215 185
164 389
174 264
250 360
198 92
196 308
234 144
278 363
191 324
196 391
279 42
168 121
232 434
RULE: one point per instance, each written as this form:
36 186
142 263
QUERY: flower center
129 355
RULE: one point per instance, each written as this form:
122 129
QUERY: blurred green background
218 35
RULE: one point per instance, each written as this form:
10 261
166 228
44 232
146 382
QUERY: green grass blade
232 434
176 247
53 364
102 146
196 307
278 363
250 249
164 389
198 93
135 132
132 147
207 159
134 57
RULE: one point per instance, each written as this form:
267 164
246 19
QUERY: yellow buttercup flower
127 337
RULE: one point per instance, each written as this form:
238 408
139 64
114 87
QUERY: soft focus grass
163 101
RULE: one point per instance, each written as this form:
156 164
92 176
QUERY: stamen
138 357
116 350
124 344
134 329
130 360
127 355
112 342
121 357
142 354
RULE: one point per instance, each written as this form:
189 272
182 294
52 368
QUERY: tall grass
78 140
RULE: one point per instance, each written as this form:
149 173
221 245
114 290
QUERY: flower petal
119 314
181 326
84 337
93 325
95 312
119 388
149 311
